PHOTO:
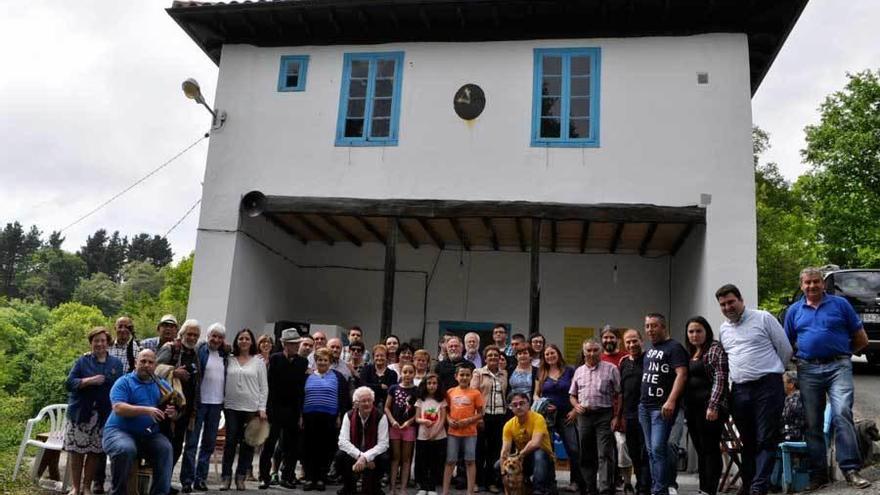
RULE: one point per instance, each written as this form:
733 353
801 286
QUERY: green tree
16 249
787 238
154 249
843 186
141 278
54 275
54 351
104 254
100 291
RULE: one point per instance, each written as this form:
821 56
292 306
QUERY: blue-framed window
292 74
369 103
565 103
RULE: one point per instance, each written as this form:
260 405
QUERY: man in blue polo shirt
132 430
826 331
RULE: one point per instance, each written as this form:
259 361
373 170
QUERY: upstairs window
292 75
565 103
369 106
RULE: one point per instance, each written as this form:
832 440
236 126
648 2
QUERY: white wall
664 140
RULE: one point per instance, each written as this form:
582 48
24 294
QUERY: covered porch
407 266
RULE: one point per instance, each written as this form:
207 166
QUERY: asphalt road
867 390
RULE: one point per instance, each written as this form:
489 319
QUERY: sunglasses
129 327
514 405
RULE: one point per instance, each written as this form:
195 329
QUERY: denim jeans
236 422
656 430
757 411
571 442
124 449
596 450
675 435
834 379
207 417
635 444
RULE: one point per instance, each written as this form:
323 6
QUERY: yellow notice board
573 338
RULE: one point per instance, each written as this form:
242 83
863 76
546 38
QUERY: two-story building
551 164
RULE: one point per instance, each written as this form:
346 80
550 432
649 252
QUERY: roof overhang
767 23
485 225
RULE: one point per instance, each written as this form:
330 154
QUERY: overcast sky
90 101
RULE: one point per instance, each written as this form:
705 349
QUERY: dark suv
861 287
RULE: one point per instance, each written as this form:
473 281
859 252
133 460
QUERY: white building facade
651 210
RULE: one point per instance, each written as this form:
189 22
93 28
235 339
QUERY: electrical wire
190 210
136 183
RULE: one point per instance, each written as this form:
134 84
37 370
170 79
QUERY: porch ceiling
486 225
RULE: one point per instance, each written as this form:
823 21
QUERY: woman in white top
246 392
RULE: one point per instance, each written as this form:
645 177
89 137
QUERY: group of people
362 417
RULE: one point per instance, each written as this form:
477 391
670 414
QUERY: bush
55 350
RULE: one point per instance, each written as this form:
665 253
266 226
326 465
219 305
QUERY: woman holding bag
247 389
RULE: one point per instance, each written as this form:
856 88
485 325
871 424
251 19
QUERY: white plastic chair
57 416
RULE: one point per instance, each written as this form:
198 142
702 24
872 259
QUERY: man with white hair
212 358
363 444
472 349
181 355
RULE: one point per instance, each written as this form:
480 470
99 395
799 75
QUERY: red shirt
614 359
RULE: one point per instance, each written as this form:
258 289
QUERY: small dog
512 476
867 434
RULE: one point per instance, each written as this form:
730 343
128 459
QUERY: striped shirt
121 353
596 386
322 393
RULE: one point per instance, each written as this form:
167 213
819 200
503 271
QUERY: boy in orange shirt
465 411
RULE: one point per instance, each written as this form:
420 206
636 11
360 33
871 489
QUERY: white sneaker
432 492
422 492
673 491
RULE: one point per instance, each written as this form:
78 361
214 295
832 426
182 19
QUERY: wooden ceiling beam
437 208
615 239
649 235
342 230
369 227
519 234
287 229
487 222
318 231
406 234
681 238
459 232
585 233
432 233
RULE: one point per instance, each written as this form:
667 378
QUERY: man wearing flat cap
287 378
166 331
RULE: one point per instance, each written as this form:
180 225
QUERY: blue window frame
565 101
369 102
292 75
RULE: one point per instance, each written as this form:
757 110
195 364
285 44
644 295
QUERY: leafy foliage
54 351
100 291
154 249
54 275
843 185
16 248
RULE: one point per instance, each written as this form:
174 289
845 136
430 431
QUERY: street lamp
192 91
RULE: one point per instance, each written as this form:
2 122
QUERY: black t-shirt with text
658 373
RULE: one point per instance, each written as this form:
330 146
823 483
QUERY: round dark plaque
469 101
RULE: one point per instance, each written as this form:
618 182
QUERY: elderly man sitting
363 444
132 430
